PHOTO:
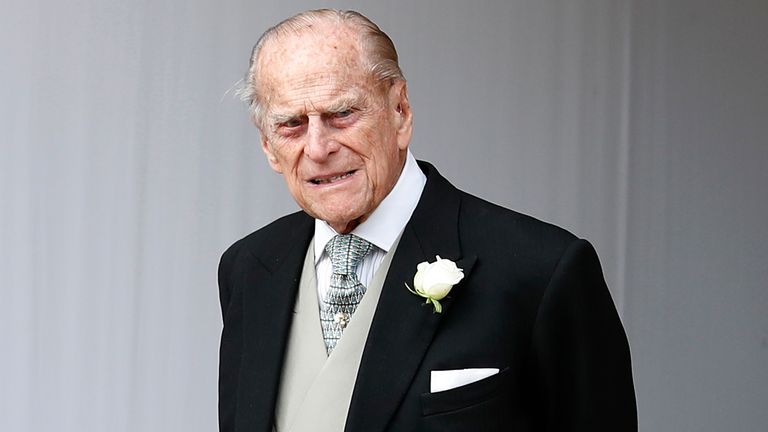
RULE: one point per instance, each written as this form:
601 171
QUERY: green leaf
438 306
412 291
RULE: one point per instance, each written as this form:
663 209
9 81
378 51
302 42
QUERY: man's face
338 136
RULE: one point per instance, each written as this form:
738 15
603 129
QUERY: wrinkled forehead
322 53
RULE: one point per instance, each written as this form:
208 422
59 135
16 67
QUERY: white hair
380 54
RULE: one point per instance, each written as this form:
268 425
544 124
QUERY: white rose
435 280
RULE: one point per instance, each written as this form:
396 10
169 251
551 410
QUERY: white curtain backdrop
127 167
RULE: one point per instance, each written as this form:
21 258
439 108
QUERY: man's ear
403 113
266 147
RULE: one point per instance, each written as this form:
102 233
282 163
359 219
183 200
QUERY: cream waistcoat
315 389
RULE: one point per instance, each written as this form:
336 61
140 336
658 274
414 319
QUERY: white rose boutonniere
434 281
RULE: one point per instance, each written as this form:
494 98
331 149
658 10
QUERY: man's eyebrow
347 102
353 99
278 118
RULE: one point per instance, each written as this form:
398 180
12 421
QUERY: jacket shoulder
492 221
265 238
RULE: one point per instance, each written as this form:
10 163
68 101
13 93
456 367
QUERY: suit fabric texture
533 303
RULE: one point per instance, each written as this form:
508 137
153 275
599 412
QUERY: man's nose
320 141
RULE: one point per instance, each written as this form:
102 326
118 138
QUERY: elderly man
394 301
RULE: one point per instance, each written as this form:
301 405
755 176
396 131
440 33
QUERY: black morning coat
533 303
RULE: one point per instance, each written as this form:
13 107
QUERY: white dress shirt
381 228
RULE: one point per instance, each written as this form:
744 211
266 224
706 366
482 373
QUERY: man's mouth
328 180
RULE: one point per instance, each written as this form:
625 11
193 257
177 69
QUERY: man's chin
334 210
342 225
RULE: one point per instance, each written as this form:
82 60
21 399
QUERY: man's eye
292 123
345 113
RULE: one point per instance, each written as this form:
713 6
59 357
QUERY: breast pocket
466 397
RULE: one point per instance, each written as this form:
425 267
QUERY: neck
347 227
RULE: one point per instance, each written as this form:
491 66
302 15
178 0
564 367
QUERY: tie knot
346 252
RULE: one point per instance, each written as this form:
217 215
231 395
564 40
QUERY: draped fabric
127 167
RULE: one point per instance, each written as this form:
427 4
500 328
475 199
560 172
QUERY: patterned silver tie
345 292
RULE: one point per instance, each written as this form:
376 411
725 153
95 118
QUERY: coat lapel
269 294
403 325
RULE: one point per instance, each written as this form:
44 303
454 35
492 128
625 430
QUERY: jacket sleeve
581 354
230 349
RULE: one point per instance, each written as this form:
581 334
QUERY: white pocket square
442 380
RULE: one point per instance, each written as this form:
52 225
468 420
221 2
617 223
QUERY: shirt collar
388 219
